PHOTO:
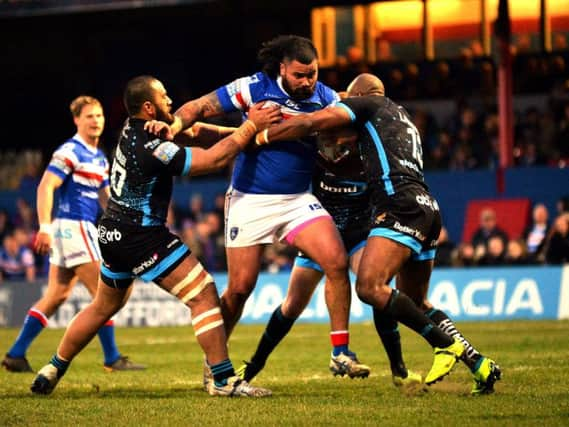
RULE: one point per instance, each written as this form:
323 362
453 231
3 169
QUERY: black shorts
128 251
410 217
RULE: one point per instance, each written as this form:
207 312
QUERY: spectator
557 251
516 253
535 235
277 259
445 250
25 216
563 205
464 256
488 229
495 253
16 260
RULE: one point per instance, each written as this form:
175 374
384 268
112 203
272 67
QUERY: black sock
276 330
387 329
470 355
404 310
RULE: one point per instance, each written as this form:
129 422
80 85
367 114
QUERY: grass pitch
534 390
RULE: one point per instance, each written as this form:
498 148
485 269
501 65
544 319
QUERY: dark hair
291 47
137 92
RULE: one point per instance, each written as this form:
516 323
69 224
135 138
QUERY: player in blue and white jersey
269 198
78 170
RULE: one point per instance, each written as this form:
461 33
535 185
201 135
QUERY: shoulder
326 94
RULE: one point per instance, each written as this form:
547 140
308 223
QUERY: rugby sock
404 310
107 337
340 341
388 331
34 323
470 356
60 364
276 330
221 371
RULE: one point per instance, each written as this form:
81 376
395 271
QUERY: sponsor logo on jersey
165 152
233 232
290 103
106 236
145 264
151 145
425 200
408 164
409 230
332 189
172 243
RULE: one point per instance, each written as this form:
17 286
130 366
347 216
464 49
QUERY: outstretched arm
305 124
197 109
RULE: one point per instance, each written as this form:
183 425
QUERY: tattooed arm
194 110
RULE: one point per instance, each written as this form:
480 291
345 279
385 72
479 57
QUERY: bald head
366 84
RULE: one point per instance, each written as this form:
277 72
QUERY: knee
336 265
370 288
239 290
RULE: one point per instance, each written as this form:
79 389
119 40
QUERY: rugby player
79 171
404 220
341 186
136 243
269 198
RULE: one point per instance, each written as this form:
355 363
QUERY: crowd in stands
543 242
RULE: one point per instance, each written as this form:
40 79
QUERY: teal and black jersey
339 184
141 176
390 144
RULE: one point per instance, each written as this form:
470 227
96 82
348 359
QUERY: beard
298 94
164 116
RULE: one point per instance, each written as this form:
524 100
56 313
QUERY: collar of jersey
81 141
312 100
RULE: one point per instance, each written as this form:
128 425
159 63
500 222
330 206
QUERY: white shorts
74 243
252 219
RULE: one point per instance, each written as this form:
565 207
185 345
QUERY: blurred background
502 184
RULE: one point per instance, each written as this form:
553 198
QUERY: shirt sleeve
167 157
359 108
63 161
105 182
236 96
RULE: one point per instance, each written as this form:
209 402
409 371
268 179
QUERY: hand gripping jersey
390 144
141 176
84 171
281 168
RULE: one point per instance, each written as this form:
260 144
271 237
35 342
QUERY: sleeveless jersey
141 176
390 145
281 168
84 170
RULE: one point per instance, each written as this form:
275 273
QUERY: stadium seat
512 216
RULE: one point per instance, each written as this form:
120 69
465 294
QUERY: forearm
44 204
291 129
197 109
222 153
203 134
